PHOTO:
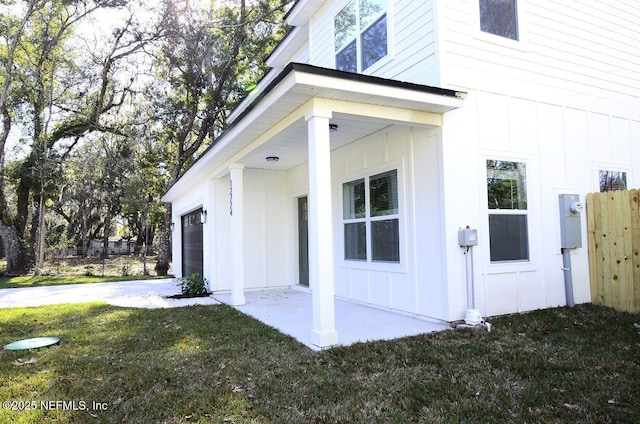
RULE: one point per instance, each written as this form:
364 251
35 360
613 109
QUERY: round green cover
33 343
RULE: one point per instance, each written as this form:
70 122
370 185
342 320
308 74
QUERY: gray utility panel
570 221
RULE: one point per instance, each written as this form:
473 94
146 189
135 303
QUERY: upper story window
499 17
360 34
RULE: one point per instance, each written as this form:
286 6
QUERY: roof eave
314 80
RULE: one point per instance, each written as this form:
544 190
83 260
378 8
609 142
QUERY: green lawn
214 364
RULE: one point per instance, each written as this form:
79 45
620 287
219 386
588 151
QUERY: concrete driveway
139 294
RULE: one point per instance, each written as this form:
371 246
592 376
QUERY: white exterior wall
411 45
417 284
267 252
565 100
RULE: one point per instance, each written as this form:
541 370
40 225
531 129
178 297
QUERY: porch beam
388 113
236 192
321 270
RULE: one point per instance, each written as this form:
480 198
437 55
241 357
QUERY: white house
385 126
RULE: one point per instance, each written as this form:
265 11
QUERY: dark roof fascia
369 79
332 73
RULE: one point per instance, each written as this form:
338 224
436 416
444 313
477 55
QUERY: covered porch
288 129
289 311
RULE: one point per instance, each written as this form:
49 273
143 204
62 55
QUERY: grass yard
213 364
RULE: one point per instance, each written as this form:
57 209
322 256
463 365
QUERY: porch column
321 271
208 207
236 211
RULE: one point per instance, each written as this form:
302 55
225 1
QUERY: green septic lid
34 343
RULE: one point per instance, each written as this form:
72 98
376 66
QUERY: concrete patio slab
289 311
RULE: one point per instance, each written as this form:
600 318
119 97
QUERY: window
371 220
499 17
507 204
360 34
612 180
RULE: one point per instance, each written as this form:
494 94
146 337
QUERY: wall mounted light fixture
333 128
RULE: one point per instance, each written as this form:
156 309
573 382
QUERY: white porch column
208 256
237 233
321 271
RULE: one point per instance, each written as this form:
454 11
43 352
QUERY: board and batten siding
418 284
564 100
266 230
563 148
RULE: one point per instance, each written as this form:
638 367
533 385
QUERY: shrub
125 271
193 285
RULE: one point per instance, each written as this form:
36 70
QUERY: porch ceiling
271 122
290 145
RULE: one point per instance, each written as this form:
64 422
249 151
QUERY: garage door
192 243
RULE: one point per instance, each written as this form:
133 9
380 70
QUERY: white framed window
500 17
360 34
371 218
508 211
610 180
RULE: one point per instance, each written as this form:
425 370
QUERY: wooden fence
613 227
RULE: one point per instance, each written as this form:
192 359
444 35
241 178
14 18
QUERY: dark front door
192 243
303 240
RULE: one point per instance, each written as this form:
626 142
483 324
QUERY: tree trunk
15 250
164 244
105 238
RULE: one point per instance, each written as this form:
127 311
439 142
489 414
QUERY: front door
192 244
303 240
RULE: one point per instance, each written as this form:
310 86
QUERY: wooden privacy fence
613 228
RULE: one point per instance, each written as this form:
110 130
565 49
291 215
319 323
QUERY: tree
66 96
13 30
205 64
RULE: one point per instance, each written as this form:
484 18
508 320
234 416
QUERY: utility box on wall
467 237
570 221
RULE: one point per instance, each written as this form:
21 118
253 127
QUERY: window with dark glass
508 213
371 221
612 180
499 17
360 34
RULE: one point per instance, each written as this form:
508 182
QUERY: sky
96 27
